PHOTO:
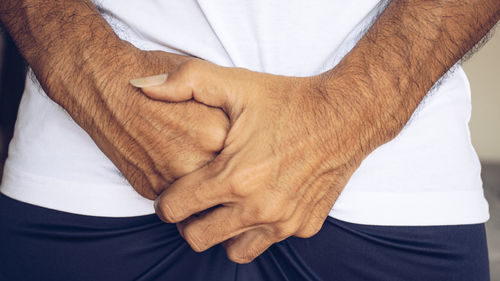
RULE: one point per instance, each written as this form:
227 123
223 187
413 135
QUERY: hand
152 143
290 150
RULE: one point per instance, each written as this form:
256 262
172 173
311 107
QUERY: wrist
355 121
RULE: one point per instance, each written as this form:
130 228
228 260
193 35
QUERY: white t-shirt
428 175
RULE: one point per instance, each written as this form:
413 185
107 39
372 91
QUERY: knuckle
268 214
157 183
240 257
190 67
285 230
264 213
217 136
147 185
164 209
236 187
309 231
145 188
193 239
214 133
242 182
251 179
315 229
185 164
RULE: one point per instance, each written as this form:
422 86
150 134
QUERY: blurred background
483 69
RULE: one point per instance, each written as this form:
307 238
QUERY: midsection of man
430 163
428 175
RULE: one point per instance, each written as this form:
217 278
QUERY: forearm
60 36
68 45
74 52
84 67
409 47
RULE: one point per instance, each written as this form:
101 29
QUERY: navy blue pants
42 244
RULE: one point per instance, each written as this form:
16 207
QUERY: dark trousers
43 244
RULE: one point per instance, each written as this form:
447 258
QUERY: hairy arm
408 48
59 38
84 67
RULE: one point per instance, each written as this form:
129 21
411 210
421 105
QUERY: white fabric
428 175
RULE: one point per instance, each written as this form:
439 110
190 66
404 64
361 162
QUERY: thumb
156 88
199 80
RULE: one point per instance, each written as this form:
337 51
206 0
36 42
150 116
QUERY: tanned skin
84 67
293 142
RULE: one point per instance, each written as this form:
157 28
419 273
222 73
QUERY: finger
212 227
205 82
247 246
156 87
149 81
315 219
193 193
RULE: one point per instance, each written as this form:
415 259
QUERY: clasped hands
284 162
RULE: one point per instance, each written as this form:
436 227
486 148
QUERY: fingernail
149 81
